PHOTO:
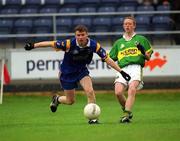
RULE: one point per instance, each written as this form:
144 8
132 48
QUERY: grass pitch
28 118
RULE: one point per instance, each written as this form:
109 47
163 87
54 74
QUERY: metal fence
174 32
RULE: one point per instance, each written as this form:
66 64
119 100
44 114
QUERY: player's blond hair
131 18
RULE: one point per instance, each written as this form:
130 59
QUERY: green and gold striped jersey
126 52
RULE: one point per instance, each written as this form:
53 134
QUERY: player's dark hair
81 28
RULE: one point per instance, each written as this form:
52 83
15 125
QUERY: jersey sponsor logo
156 62
128 52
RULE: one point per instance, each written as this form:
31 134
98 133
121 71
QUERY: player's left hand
29 46
141 48
126 76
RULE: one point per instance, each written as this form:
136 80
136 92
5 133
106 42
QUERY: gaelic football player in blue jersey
78 53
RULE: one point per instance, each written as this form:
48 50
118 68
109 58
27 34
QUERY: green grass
28 118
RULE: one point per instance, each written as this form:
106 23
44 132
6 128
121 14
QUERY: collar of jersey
130 38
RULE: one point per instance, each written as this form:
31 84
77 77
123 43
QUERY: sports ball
92 111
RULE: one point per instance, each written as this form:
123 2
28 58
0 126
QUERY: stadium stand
28 10
162 23
48 9
146 8
94 3
9 10
6 26
117 24
163 8
83 20
114 3
43 23
111 1
64 24
72 2
33 2
68 9
126 8
102 24
106 9
143 23
50 6
41 26
129 2
23 26
13 2
52 2
87 9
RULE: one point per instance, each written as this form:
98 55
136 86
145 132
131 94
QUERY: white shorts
136 73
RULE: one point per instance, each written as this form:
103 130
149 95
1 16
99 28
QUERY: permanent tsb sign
41 64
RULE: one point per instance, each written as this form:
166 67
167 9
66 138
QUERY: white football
92 111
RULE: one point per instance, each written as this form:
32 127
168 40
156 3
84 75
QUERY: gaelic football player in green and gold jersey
131 51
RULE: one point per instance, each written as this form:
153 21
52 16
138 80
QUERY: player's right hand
29 46
126 76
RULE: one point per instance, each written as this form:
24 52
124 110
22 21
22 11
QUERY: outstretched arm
44 44
30 46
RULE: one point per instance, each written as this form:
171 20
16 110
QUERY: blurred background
23 21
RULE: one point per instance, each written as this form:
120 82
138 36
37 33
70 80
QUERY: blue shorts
70 81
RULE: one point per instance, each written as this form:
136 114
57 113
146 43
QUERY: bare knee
133 87
119 89
132 90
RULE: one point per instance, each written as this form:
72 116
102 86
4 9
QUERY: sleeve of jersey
148 47
113 53
63 45
101 52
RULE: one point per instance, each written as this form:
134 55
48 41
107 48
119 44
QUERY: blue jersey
68 65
